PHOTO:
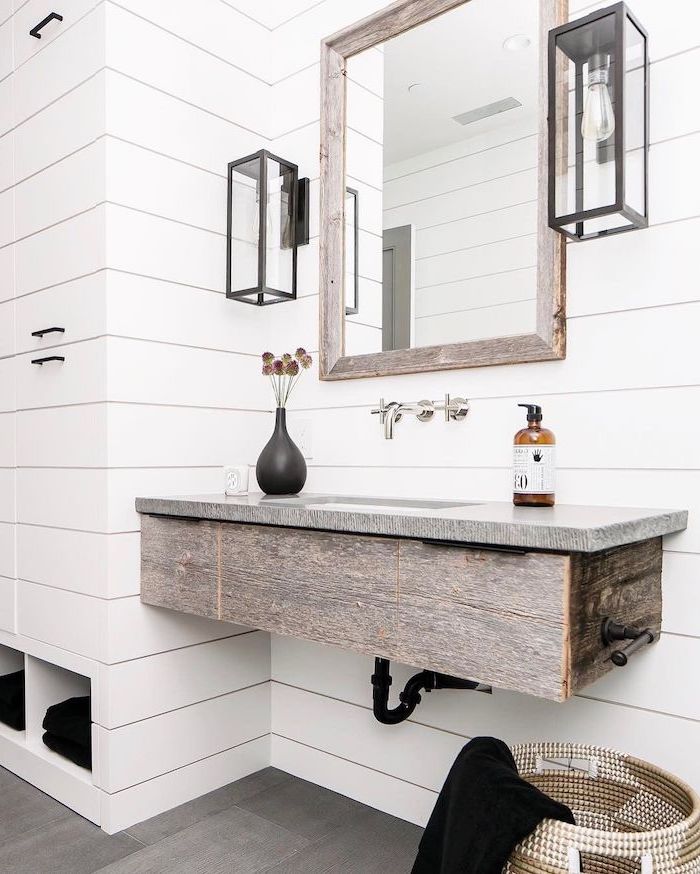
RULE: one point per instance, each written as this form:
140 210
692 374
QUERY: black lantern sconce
352 252
268 219
598 115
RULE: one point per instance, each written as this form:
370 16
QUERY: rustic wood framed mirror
433 114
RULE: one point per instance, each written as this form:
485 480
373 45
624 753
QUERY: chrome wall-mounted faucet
389 414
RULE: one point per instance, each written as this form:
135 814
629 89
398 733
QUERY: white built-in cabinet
180 705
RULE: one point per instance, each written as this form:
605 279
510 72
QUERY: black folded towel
77 753
70 720
483 811
12 700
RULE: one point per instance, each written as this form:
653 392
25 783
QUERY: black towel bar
37 27
48 358
43 331
613 631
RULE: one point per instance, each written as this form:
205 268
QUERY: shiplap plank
154 56
342 433
174 313
135 753
145 687
101 565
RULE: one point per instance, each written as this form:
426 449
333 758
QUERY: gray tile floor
268 822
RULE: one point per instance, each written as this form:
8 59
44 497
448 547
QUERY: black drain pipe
410 698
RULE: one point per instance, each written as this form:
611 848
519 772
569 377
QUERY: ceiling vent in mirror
486 111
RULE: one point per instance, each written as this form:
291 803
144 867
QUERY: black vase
281 469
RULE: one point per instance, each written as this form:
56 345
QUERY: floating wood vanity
512 597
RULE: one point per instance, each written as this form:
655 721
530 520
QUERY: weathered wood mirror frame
549 340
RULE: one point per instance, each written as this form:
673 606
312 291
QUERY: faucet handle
456 409
381 412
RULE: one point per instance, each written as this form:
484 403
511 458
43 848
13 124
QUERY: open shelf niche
11 661
49 684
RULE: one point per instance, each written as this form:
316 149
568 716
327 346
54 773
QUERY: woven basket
633 818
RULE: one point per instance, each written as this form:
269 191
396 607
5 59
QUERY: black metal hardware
290 220
354 196
607 31
303 210
410 698
612 631
42 24
48 358
48 331
456 544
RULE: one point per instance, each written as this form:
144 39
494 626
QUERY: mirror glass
441 164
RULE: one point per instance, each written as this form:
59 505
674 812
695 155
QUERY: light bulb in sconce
598 120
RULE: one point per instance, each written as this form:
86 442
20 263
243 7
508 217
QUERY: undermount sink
354 504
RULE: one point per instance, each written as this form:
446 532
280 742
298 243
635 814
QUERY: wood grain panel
530 622
529 584
623 583
179 565
333 588
490 616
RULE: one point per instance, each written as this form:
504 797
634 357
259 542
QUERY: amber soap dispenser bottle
533 462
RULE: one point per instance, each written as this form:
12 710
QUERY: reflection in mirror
442 150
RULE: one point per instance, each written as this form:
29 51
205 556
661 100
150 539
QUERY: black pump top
534 412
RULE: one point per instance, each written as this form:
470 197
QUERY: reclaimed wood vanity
512 597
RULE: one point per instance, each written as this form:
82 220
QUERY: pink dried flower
277 367
268 357
300 353
286 358
306 362
291 368
267 369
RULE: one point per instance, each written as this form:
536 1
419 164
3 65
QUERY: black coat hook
37 27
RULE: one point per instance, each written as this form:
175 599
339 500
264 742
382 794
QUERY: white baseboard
123 809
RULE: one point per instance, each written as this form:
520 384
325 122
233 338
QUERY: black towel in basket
484 809
68 730
12 700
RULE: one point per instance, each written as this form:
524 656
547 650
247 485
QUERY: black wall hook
612 631
410 698
37 27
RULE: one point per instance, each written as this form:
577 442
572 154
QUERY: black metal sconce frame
262 294
567 37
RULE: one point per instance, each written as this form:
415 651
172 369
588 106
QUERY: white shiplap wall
473 205
624 408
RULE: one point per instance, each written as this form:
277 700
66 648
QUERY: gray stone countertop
565 528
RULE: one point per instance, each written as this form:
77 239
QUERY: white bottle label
533 469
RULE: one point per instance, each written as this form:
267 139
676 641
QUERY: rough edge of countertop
529 534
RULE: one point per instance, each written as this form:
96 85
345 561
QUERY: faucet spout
393 415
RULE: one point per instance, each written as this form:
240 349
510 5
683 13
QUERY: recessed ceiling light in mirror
517 43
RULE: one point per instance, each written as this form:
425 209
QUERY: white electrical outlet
303 437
